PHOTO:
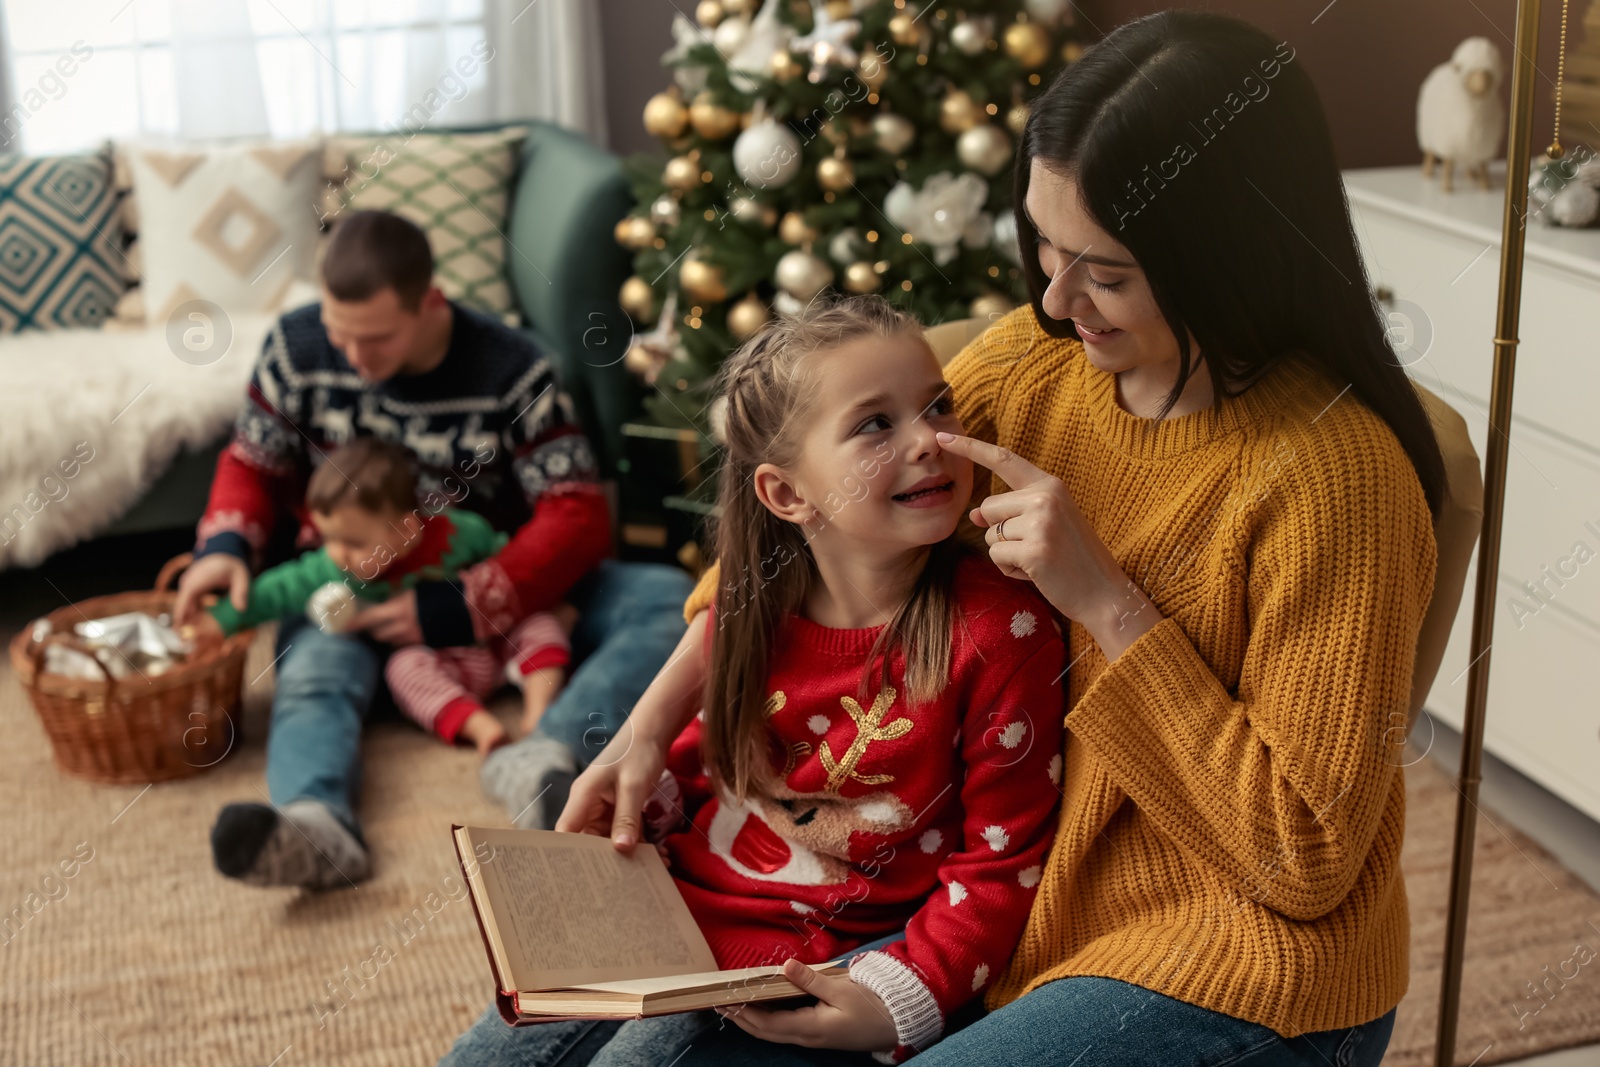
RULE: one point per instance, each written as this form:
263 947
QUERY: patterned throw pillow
59 242
234 225
457 187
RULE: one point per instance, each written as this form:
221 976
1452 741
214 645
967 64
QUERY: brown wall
634 34
1369 57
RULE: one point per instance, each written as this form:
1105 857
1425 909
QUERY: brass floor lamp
1518 152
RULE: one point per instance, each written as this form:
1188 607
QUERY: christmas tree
864 145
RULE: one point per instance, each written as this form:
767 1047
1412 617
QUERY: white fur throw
89 419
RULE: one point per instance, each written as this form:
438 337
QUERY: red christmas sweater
934 819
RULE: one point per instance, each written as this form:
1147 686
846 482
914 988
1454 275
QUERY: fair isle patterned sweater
493 434
877 816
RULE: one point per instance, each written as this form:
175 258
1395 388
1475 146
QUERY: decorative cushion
457 187
59 241
233 225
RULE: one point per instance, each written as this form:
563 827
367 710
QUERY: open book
576 930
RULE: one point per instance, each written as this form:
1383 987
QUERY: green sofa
565 268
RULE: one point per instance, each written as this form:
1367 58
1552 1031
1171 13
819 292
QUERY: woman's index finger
1015 471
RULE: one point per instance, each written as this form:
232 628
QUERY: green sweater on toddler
447 542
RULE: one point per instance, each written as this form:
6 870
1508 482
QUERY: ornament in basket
123 697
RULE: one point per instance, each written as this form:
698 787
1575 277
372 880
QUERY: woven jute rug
145 955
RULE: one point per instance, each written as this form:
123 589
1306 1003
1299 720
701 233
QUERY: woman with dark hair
1215 468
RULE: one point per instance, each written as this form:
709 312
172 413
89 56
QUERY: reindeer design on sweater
779 834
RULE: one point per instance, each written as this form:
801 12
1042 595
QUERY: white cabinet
1438 257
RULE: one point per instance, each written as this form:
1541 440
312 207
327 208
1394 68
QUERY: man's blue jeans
630 617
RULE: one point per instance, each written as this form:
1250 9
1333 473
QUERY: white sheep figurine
1459 115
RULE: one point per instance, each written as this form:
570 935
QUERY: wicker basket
136 730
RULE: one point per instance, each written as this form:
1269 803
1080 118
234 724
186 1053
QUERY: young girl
880 748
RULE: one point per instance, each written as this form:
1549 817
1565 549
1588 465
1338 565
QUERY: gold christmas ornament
681 173
861 278
1017 119
747 316
637 299
794 231
635 232
803 275
708 13
904 30
873 70
665 116
740 7
784 66
986 149
835 174
1072 51
702 281
958 112
710 119
990 306
837 9
1028 43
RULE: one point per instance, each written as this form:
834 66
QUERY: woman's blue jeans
1071 1022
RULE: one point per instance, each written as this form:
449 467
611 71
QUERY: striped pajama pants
439 687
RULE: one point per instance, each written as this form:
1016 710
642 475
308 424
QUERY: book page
570 909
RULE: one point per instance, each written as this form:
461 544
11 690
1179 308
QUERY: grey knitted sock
531 780
300 844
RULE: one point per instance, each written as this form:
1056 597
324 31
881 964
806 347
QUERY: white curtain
205 69
555 70
215 70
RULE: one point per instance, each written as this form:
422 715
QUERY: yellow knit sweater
1232 808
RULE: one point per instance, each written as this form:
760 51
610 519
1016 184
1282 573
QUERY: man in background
386 354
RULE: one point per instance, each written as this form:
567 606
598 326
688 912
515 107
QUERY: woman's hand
849 1017
607 799
1037 532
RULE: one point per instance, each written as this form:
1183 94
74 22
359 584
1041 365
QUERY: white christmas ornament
847 246
665 211
972 36
802 275
894 133
940 212
986 149
767 155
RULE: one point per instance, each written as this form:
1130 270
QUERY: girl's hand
850 1017
1046 539
607 799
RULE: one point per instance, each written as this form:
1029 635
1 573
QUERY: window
97 69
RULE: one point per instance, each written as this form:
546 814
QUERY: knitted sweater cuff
918 1021
443 615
